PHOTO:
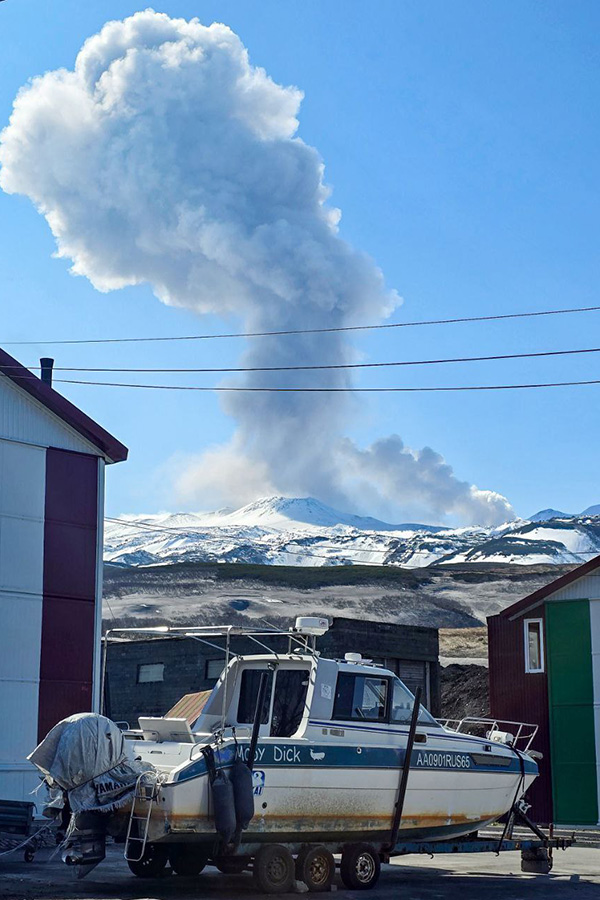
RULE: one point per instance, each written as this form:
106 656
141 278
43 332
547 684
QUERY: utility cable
329 390
288 331
371 365
342 551
175 533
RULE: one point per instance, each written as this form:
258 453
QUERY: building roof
112 449
521 606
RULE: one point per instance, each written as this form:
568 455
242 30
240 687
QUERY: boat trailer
275 866
536 852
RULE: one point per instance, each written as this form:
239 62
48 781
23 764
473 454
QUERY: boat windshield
249 696
402 707
289 699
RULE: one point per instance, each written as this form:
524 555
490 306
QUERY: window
360 697
289 701
150 672
249 696
534 645
214 667
402 707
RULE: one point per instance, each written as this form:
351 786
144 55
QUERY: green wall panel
571 701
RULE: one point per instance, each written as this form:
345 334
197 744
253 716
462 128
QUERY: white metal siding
22 501
595 629
24 419
585 588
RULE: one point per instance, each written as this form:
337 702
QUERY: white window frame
528 667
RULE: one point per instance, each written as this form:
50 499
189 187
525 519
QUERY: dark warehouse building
147 677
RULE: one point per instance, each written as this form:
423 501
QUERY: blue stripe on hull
326 756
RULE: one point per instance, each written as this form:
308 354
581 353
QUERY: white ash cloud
166 158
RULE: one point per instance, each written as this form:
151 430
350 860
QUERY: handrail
461 726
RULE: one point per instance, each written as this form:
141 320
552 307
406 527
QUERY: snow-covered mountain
544 514
305 532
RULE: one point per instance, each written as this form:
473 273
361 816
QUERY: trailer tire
315 866
274 869
233 865
187 859
152 863
360 866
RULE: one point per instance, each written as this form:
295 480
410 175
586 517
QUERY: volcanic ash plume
166 158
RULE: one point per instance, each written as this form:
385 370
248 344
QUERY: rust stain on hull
261 824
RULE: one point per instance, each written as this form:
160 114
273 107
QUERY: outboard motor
85 843
85 756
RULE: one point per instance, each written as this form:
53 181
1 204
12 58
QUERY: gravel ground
576 874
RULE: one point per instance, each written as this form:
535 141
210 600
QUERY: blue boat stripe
326 756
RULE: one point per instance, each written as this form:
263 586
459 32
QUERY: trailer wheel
187 859
233 865
360 866
152 863
274 869
315 866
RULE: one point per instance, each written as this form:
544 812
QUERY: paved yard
576 874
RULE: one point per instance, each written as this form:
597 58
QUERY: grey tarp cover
87 756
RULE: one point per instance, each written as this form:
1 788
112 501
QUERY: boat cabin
305 696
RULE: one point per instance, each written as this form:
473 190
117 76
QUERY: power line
328 390
373 365
176 533
306 552
182 533
289 331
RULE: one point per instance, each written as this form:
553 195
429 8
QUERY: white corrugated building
52 461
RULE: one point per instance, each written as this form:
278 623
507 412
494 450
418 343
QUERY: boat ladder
146 791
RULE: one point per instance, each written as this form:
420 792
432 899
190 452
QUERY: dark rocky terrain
458 596
464 690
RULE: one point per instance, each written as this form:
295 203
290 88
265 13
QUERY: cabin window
360 697
249 696
534 645
214 667
148 672
402 707
289 701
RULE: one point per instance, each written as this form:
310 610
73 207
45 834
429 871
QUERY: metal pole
405 771
225 686
103 677
262 689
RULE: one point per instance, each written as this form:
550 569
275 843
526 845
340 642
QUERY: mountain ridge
281 530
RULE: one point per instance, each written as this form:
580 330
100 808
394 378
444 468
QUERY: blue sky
460 141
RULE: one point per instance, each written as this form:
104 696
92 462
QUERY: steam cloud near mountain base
166 158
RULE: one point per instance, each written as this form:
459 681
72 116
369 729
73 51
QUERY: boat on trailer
295 757
327 741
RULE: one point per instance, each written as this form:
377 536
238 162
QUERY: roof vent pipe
46 365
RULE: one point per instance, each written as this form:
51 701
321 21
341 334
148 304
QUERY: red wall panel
68 614
69 561
71 487
522 697
59 699
68 640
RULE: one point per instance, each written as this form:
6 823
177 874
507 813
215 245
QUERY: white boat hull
449 793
